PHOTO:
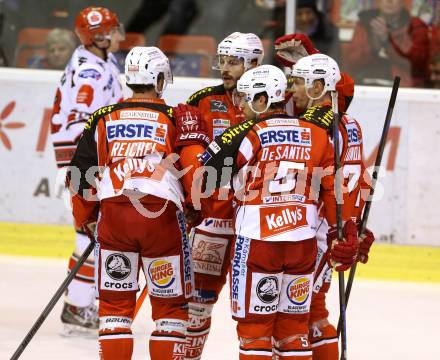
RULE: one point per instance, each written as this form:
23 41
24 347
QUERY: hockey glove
190 127
343 254
366 240
290 48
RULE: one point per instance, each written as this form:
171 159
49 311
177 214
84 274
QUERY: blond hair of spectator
60 44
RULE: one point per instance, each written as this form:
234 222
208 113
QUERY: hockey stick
55 298
140 301
338 193
363 224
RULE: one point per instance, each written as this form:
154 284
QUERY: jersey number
285 179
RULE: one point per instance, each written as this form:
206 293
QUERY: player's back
131 141
87 84
278 159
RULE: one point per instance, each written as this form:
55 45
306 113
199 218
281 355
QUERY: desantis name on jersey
136 130
287 135
283 152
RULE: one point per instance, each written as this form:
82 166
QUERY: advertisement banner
32 190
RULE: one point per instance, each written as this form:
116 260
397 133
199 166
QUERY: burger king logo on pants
298 290
163 276
161 273
296 294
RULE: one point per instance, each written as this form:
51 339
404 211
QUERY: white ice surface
386 320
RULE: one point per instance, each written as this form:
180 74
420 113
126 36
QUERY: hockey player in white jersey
89 82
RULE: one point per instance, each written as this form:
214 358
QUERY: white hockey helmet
247 46
264 78
143 66
315 67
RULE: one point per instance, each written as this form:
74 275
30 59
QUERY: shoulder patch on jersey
97 114
89 73
319 115
236 132
210 90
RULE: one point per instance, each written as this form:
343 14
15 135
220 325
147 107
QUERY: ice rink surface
386 320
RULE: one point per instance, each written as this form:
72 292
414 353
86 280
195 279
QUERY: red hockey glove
190 127
343 254
366 240
193 217
290 48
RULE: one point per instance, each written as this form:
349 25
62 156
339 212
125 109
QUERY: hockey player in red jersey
310 77
89 82
211 239
139 199
274 159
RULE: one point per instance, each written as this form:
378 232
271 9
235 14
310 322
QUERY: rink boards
406 196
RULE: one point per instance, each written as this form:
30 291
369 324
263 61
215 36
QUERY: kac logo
118 266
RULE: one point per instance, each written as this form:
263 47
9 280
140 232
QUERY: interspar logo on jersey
280 219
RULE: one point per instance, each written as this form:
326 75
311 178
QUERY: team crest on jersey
90 73
218 106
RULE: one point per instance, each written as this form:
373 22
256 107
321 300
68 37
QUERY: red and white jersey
133 144
87 84
276 161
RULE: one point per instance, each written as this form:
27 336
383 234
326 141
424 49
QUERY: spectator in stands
60 45
309 20
312 22
434 72
388 41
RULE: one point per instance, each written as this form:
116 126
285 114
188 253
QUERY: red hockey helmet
95 24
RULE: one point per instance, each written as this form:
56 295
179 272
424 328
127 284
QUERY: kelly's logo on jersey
275 220
136 130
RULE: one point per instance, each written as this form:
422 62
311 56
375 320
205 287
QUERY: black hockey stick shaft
52 302
338 195
365 215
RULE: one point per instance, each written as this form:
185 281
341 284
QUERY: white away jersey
88 83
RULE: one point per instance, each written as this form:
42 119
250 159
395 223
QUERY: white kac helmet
247 46
315 67
143 66
264 78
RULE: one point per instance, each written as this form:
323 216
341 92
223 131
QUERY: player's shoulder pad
195 98
222 152
93 119
321 116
